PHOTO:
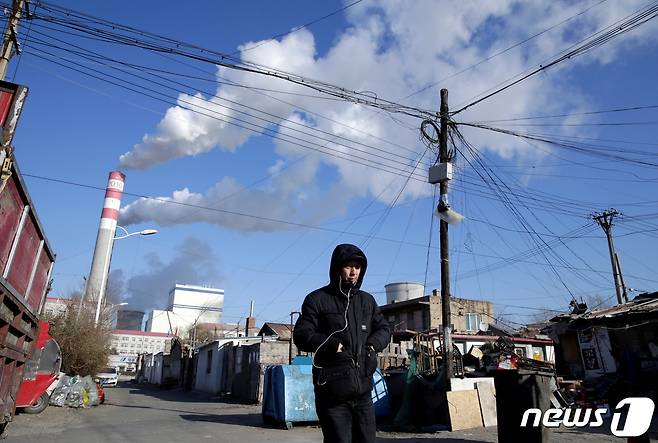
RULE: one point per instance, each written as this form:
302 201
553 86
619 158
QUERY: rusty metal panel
11 208
44 291
12 99
6 98
39 282
17 330
24 258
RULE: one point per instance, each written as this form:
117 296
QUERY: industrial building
408 308
126 342
188 306
55 306
129 320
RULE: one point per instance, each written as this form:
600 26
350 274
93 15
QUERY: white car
108 377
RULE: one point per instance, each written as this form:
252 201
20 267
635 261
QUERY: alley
140 414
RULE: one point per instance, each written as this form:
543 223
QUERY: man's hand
340 347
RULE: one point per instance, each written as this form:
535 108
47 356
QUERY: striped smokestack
100 265
112 203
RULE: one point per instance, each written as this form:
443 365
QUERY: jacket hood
342 254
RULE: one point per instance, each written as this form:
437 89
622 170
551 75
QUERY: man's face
350 271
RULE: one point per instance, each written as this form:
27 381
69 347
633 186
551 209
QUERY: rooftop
641 306
282 330
426 300
197 288
141 333
59 300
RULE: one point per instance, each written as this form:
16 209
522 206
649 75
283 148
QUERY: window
472 322
209 362
521 352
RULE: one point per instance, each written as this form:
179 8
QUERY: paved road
134 413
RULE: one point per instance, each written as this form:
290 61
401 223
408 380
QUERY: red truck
26 261
41 373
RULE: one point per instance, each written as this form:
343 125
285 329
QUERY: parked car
41 373
108 377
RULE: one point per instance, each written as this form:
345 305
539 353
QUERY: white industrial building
55 306
188 306
126 342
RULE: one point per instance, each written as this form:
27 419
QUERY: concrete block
465 384
487 397
464 410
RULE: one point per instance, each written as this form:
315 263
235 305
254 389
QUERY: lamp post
106 268
130 234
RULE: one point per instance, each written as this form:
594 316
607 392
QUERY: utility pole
8 41
604 220
441 174
292 326
443 234
10 37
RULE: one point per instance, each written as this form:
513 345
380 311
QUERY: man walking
344 328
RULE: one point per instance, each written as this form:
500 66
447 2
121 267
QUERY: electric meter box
440 173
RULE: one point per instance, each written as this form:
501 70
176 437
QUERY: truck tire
39 406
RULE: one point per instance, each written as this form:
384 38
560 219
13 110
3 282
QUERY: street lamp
130 234
106 269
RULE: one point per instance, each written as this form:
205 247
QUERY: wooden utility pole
10 36
605 221
443 234
292 326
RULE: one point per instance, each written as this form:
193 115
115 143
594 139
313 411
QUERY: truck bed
26 261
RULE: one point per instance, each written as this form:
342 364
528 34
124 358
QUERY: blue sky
77 128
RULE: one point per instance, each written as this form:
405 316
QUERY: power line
298 28
571 114
638 123
501 189
247 125
599 38
368 237
128 36
522 42
101 59
224 211
193 107
580 148
234 84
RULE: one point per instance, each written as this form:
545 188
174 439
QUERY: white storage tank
397 292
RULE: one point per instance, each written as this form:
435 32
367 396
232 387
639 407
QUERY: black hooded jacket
323 313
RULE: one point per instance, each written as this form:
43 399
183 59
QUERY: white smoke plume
393 48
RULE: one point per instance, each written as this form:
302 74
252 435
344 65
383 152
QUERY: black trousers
351 421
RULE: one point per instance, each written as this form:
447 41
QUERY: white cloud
392 48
